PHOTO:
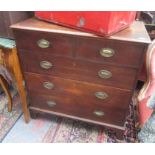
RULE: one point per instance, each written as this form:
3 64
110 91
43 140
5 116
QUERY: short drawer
77 70
72 106
109 51
44 62
86 92
45 42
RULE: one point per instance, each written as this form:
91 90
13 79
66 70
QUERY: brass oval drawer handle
107 52
105 74
101 95
99 113
48 85
46 64
43 43
51 103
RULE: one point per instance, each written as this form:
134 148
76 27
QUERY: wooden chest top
134 33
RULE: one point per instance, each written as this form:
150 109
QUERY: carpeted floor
7 120
54 129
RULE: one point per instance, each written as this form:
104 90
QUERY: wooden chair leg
4 85
19 78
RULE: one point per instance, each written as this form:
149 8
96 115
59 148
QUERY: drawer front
45 42
86 92
104 74
41 62
72 106
109 51
78 70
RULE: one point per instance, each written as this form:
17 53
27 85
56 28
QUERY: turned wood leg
21 88
4 85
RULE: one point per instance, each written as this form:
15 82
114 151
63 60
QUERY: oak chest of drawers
80 75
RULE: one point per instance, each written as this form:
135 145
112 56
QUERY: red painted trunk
98 22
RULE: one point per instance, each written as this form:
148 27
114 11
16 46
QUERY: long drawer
73 106
90 94
43 63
